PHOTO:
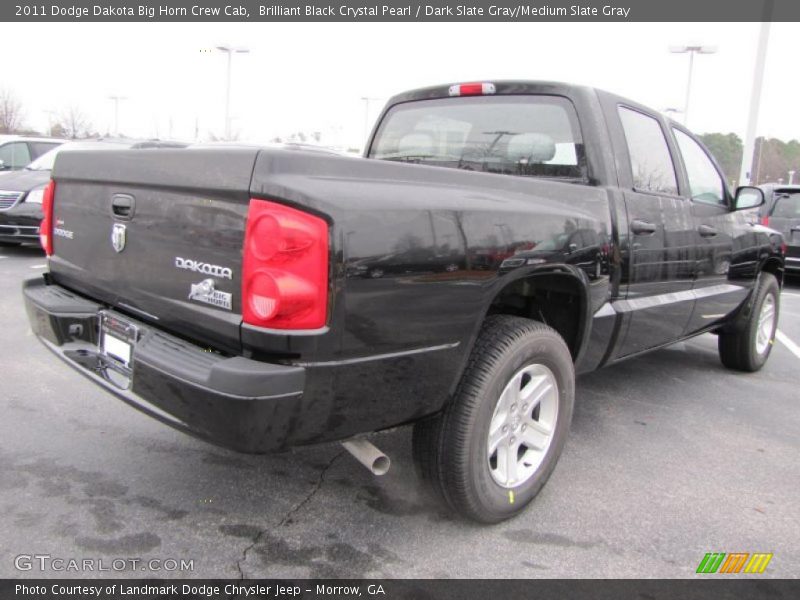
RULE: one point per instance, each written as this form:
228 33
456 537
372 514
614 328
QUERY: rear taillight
284 268
472 89
765 221
46 226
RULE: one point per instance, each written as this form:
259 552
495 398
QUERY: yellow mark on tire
511 496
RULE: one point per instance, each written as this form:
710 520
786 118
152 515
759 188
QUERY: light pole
116 100
791 177
691 50
230 51
745 175
366 100
51 114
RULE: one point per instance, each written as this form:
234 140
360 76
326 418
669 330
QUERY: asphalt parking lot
670 456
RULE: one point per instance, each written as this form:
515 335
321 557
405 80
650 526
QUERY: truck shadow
792 283
23 251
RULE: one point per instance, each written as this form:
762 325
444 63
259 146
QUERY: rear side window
787 205
705 183
39 148
651 162
534 136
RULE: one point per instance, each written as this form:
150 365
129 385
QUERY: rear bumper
235 402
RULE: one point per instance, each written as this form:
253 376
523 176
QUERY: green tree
727 149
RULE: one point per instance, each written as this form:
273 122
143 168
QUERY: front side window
535 136
15 155
651 163
705 183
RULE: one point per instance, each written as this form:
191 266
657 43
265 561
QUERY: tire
748 348
453 452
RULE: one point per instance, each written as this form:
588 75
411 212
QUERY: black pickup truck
234 292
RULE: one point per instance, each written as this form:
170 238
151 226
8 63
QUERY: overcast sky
311 76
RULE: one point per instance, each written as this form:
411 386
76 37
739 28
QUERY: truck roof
502 86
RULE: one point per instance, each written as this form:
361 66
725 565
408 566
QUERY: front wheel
498 440
748 348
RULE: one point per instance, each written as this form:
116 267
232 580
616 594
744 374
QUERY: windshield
536 136
554 243
45 161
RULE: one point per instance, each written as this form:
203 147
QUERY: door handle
642 227
122 206
707 231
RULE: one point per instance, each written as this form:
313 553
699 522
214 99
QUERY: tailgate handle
122 206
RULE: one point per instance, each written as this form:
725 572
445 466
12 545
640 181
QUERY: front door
717 294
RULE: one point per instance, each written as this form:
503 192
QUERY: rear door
660 237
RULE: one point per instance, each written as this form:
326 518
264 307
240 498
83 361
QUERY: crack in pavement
292 511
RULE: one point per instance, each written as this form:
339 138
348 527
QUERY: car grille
9 199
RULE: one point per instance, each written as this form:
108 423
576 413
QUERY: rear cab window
526 135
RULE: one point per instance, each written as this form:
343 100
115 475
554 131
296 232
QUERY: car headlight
35 196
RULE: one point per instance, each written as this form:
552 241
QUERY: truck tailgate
156 233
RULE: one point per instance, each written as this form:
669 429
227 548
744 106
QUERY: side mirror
748 197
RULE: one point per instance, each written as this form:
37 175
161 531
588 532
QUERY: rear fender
571 275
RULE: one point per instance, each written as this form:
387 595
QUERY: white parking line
3 257
790 294
784 339
39 266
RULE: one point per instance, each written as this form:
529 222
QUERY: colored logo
734 562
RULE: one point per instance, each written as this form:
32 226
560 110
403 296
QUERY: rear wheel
748 348
497 442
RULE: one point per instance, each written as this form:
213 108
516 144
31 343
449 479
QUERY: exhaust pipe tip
368 455
380 466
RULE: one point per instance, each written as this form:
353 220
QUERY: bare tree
73 123
10 111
